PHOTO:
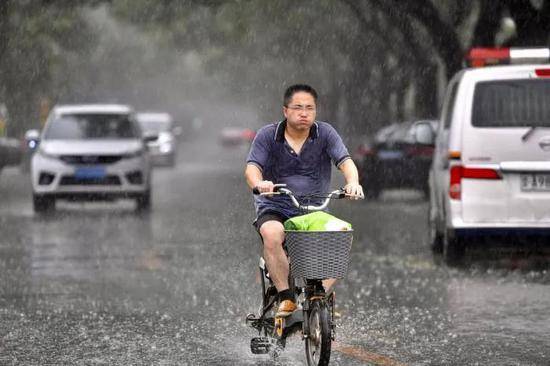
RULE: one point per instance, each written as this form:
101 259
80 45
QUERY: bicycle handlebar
281 189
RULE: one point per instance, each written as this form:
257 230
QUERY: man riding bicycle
298 152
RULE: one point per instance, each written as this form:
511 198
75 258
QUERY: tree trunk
426 102
442 34
4 37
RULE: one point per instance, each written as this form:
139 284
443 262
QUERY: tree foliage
374 61
35 37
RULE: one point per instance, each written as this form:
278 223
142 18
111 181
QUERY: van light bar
479 57
523 55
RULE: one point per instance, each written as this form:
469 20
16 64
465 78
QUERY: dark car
395 158
236 136
10 152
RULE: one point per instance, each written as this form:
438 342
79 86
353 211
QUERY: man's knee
273 234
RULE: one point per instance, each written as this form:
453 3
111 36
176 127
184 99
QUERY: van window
512 103
450 106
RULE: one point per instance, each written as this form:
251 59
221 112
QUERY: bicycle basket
319 255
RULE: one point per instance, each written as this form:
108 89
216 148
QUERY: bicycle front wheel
319 341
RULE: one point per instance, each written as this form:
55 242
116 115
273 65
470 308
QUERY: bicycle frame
312 299
312 290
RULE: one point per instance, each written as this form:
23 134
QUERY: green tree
34 36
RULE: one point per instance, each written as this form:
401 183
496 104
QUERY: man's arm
255 179
340 156
351 175
253 175
256 161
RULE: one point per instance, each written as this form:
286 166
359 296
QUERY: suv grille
70 180
90 159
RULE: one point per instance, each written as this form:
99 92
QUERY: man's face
301 111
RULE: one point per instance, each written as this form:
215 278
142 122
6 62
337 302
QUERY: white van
491 168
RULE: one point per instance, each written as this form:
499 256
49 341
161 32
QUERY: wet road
96 284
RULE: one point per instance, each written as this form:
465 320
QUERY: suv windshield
91 126
512 103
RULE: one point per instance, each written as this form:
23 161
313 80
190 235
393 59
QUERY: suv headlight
46 154
165 137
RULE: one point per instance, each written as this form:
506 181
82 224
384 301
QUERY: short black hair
293 89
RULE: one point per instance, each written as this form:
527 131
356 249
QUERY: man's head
300 106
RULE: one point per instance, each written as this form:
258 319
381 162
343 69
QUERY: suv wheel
42 203
143 202
453 249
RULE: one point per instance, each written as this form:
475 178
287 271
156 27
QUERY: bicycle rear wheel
318 343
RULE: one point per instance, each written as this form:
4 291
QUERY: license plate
389 155
535 182
90 173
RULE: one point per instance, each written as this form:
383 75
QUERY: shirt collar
280 131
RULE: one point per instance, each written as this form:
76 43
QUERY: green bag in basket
317 221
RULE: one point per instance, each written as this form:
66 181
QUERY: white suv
491 168
93 151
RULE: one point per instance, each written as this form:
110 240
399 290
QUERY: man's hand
354 190
265 186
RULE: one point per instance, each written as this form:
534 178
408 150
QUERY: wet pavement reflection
99 284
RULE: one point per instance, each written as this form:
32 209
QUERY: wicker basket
319 255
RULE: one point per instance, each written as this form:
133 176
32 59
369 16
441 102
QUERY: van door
440 163
509 134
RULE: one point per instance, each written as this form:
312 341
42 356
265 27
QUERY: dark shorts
269 216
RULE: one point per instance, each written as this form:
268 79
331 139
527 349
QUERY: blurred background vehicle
236 136
395 158
163 135
90 152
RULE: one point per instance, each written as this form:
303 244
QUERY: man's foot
286 307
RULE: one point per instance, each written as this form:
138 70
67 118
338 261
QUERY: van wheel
43 204
453 250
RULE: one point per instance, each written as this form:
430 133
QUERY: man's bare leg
273 234
328 284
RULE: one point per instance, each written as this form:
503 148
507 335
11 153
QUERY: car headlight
47 154
164 137
165 148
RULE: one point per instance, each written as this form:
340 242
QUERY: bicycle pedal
279 326
260 345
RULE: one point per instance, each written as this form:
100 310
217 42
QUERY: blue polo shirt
305 173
